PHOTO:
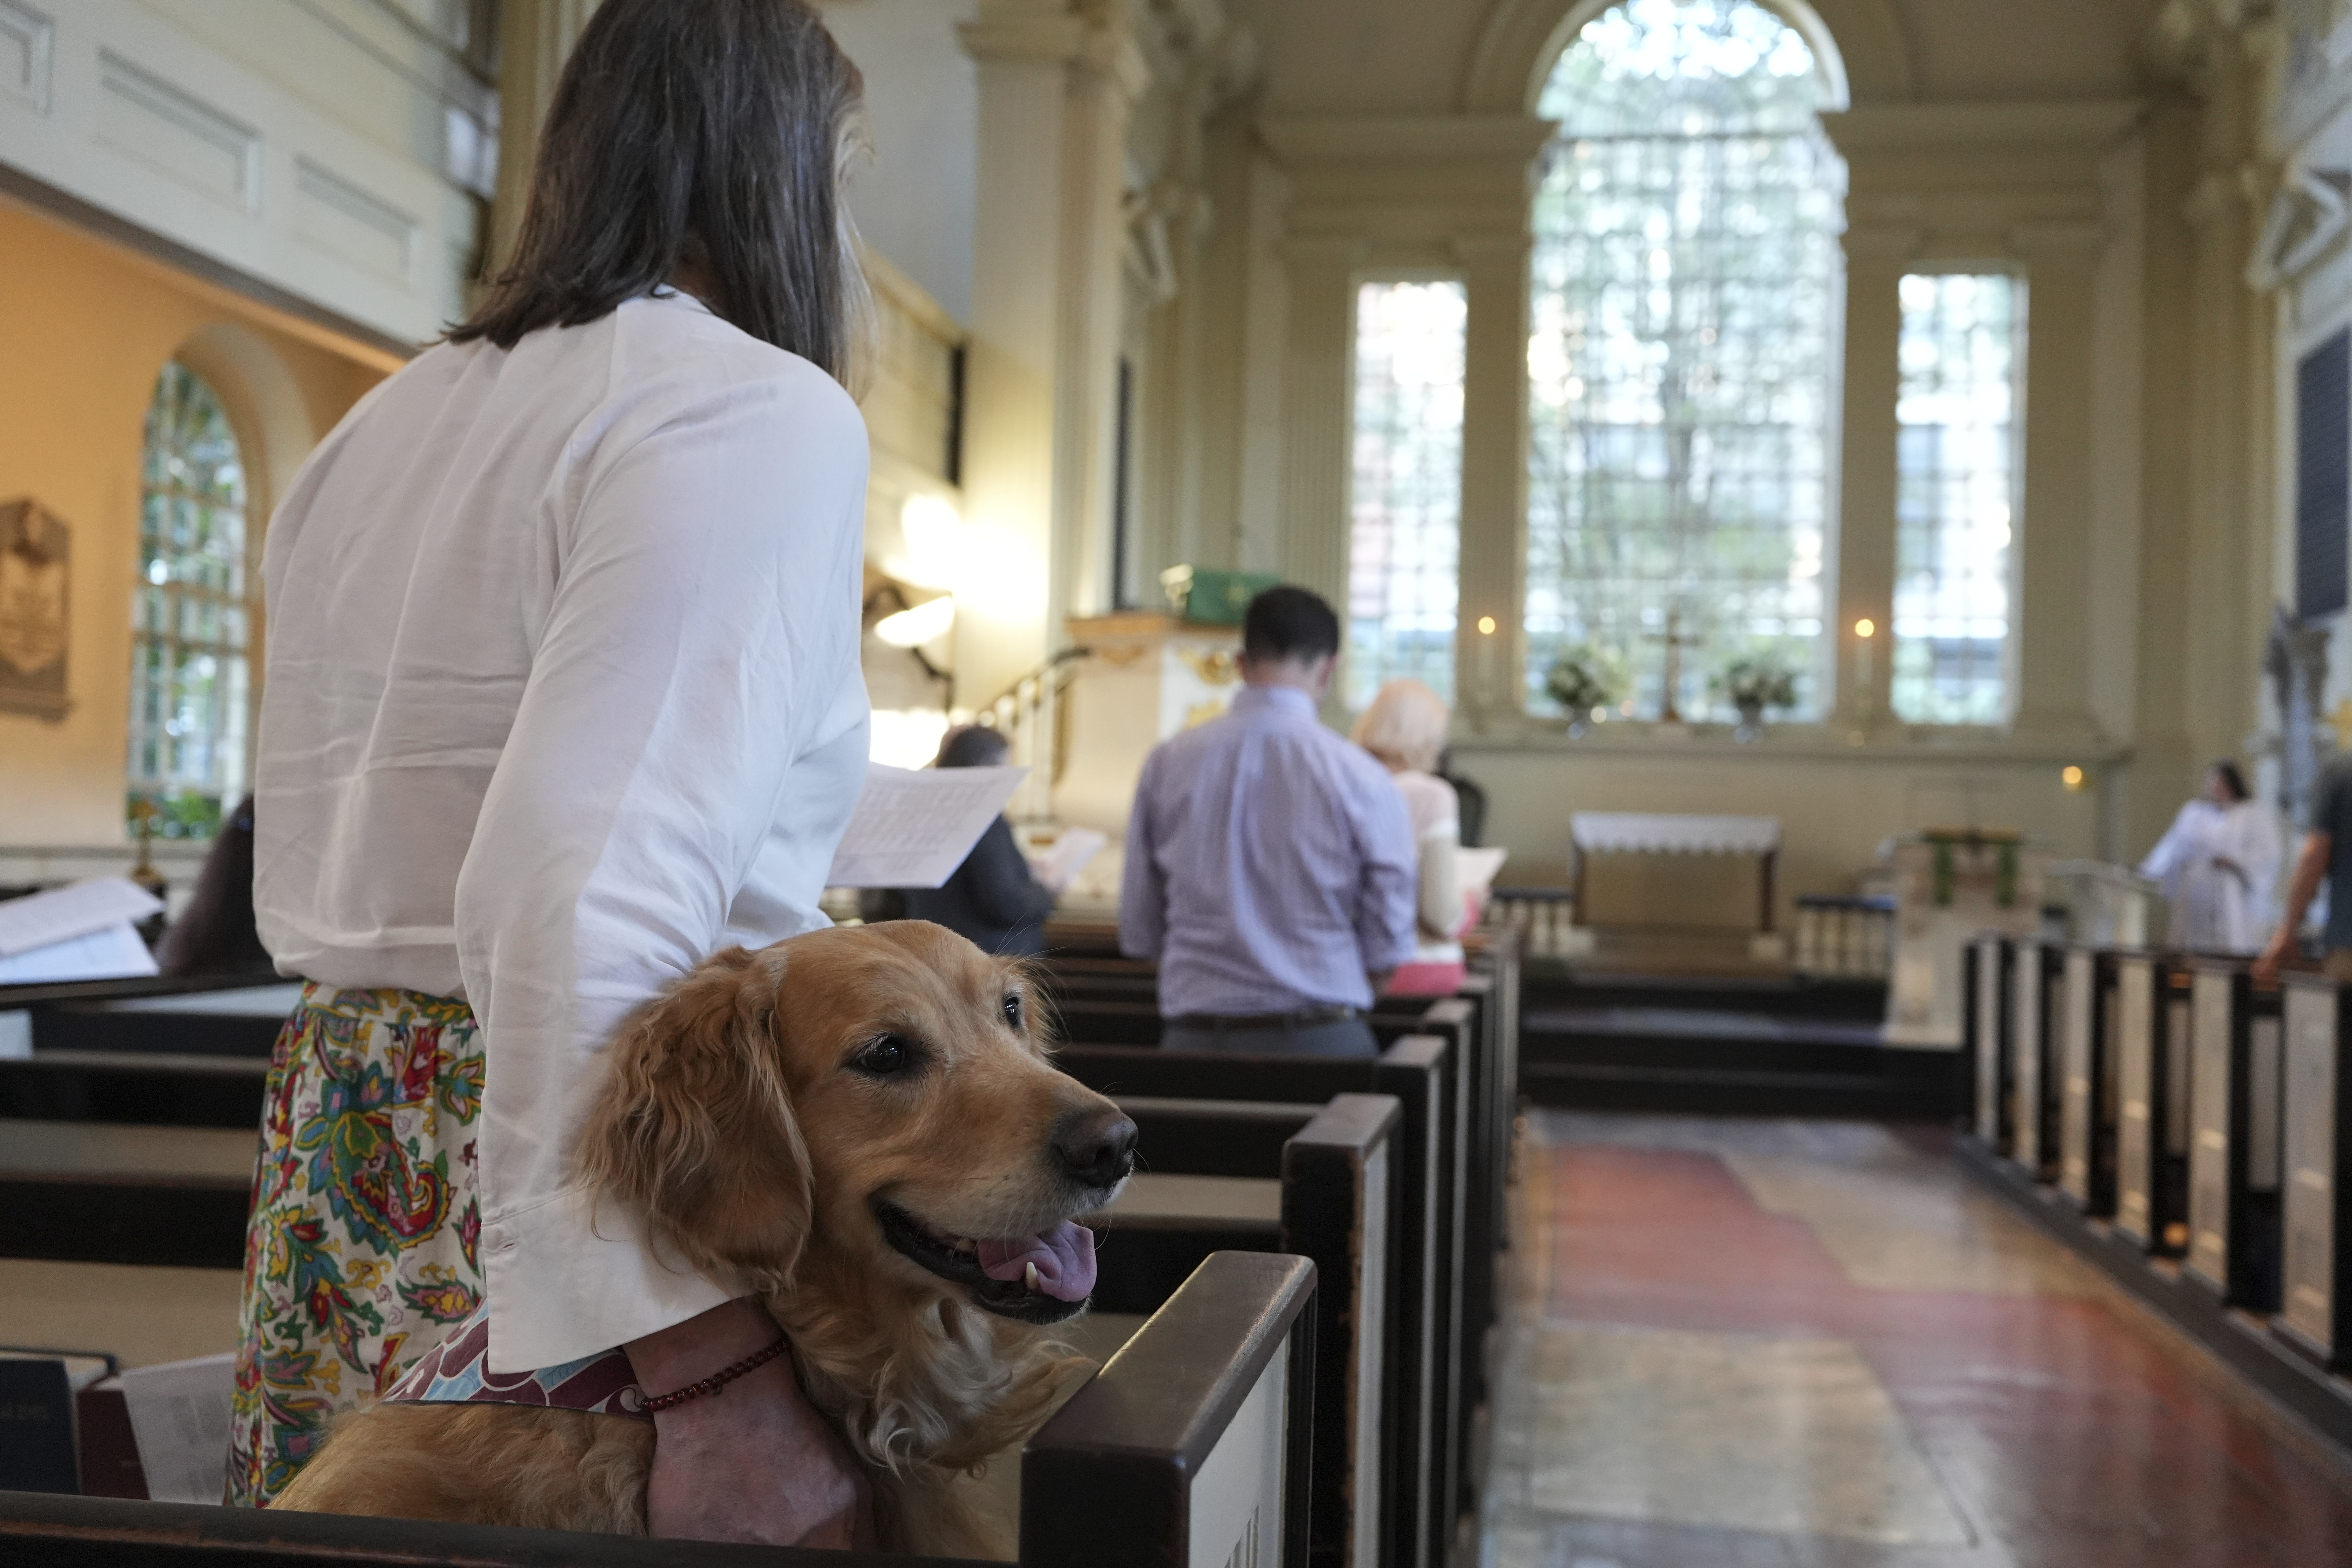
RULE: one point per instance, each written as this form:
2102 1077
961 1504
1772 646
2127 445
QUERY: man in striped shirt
1269 860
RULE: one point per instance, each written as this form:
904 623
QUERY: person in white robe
2216 864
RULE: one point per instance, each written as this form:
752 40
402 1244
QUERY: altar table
1673 833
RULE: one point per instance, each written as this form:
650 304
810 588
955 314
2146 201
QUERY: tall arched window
1686 279
189 666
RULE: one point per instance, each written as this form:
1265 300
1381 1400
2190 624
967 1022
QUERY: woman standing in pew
1405 730
563 696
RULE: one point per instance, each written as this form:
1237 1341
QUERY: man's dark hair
973 746
712 132
2227 769
1287 622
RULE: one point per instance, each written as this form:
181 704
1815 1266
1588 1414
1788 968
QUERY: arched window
190 672
1687 281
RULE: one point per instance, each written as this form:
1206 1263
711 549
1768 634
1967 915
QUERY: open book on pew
82 932
913 827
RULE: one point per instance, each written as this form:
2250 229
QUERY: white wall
914 200
321 146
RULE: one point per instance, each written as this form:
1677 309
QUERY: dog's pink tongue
1064 1257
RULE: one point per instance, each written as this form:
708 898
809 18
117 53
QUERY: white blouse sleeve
703 622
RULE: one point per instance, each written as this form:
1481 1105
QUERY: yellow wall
85 326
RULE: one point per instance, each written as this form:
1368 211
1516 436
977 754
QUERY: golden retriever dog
863 1125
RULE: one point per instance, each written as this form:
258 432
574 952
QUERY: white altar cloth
1671 833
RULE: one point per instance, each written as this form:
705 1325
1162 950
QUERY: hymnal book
913 828
109 1450
180 1415
81 932
37 1441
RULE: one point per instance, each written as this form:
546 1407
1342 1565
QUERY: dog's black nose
1097 1148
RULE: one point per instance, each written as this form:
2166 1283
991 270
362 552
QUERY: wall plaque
33 610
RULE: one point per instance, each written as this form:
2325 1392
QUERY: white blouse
563 695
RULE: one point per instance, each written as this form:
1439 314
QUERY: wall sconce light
1865 628
1485 626
913 627
2073 778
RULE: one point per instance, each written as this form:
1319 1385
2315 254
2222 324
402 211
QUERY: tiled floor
1793 1344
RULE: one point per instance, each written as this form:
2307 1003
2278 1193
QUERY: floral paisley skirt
361 1251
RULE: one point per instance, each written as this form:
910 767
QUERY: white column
535 38
1042 363
1488 684
2055 536
1876 256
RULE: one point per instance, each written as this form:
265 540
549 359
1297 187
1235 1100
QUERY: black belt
1304 1018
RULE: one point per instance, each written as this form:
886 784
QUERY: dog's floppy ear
695 1128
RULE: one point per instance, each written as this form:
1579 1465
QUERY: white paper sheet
42 920
1057 865
110 953
1476 869
912 829
180 1419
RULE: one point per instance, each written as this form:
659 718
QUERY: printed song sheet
180 1416
62 914
77 933
912 829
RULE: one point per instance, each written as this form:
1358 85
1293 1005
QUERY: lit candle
1864 630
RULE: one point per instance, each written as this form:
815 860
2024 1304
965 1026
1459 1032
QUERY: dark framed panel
2220 1226
2038 973
2151 1175
1991 1026
2086 1161
2316 1287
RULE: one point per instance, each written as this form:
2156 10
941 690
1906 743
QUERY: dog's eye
1013 1009
884 1057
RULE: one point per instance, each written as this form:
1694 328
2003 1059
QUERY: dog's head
880 1092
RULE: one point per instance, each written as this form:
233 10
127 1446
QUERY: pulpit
1145 676
2109 905
1952 886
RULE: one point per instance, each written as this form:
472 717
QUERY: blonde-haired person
1405 729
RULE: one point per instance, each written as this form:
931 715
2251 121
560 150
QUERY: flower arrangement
1582 679
1756 684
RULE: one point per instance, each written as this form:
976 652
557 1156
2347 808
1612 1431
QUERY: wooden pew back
1196 1436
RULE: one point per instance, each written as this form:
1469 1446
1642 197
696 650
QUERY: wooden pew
1193 1443
1990 1020
2088 1098
2235 1135
1102 1001
2316 1287
156 1051
2037 973
1421 1072
1339 1192
2150 1009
